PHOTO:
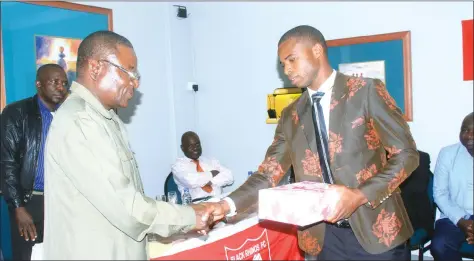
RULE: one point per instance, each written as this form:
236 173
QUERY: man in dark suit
415 196
338 132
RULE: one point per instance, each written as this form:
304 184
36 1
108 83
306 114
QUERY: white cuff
232 210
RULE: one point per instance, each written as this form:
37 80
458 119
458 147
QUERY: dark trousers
341 244
447 239
21 249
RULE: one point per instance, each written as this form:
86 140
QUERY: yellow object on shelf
271 121
277 101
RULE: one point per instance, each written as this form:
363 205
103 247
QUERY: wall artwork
373 69
385 56
34 33
468 50
59 50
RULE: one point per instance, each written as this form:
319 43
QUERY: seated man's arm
91 161
187 175
441 188
224 178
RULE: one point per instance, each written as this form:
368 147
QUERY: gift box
303 203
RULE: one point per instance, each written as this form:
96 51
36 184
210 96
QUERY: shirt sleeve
94 165
187 175
224 178
232 208
385 120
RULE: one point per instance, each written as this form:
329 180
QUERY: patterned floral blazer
365 129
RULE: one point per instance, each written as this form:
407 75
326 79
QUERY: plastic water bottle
249 174
186 198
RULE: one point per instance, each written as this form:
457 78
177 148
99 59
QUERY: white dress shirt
325 102
186 176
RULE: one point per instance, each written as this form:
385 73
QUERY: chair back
467 250
430 191
170 185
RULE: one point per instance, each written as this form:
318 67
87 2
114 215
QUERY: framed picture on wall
40 32
468 50
385 56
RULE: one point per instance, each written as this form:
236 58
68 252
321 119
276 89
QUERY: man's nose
61 87
470 134
135 83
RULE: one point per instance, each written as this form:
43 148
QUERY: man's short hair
44 68
97 45
305 32
188 134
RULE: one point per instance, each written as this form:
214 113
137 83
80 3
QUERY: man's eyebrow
289 55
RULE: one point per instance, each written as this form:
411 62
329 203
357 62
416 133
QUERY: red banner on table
467 47
264 241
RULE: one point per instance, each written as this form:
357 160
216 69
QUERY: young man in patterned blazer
340 131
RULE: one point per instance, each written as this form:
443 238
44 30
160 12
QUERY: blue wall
5 243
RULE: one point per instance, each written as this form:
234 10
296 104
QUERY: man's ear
317 50
38 84
94 69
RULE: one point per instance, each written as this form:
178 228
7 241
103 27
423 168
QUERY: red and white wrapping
301 203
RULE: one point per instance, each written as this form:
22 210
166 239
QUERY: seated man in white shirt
202 176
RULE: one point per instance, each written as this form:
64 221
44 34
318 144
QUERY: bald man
24 128
453 193
202 176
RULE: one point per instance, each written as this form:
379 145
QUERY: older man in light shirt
202 176
453 193
95 207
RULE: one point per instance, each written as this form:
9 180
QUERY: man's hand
204 218
26 227
350 199
214 173
221 209
467 227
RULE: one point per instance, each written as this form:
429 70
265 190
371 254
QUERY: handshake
208 213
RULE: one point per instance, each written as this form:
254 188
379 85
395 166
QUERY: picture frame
18 39
467 50
385 56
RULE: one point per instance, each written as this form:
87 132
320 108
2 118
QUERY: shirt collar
326 86
43 106
84 93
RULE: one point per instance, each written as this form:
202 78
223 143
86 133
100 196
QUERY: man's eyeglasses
133 75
